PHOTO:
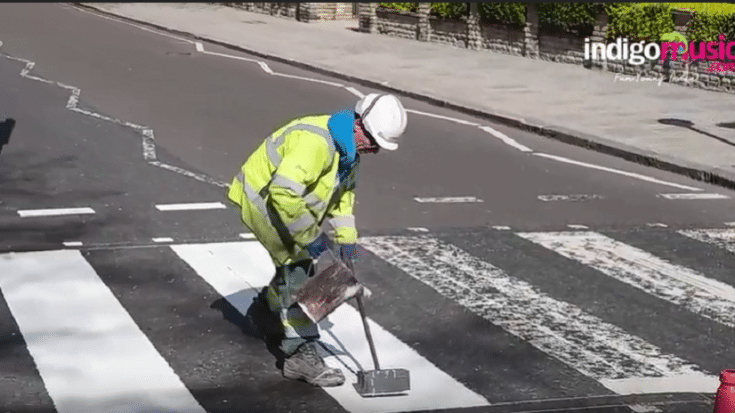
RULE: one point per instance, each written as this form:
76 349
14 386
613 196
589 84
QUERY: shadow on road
690 125
6 129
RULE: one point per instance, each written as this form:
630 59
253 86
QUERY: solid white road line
435 116
694 196
617 171
597 349
450 200
191 206
54 212
503 137
674 283
89 352
238 270
723 238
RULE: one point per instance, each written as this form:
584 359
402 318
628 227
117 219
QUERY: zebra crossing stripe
621 362
679 285
238 270
89 352
723 238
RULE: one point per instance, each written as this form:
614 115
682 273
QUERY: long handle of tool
367 331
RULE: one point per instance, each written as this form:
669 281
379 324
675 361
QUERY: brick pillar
598 35
530 31
368 17
474 34
306 12
424 29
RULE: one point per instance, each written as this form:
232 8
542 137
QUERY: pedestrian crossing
615 312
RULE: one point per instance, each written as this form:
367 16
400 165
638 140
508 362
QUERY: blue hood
340 126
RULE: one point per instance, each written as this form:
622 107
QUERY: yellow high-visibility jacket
290 184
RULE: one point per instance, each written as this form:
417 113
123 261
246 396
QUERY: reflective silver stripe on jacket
273 144
343 221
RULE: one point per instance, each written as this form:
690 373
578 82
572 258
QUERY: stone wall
534 42
302 11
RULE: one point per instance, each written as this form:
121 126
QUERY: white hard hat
384 118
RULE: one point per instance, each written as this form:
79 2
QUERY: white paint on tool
26 213
503 137
91 355
73 244
433 115
237 271
595 348
674 283
163 239
617 171
418 229
451 200
573 197
577 226
190 206
694 196
722 238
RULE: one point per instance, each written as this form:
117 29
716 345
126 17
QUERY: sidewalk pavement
562 101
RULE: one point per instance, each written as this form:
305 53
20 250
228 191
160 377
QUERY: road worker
299 178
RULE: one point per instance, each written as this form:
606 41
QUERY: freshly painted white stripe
191 206
503 137
456 199
433 115
597 349
674 283
164 239
238 270
90 353
577 226
73 244
55 211
501 228
247 235
657 224
355 91
418 229
617 171
573 198
723 238
199 46
694 196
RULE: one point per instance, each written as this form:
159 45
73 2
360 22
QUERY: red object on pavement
725 400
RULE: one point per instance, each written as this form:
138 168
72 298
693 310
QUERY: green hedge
636 21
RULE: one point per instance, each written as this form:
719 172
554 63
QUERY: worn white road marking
674 283
503 137
501 227
163 239
418 229
190 206
645 408
237 271
573 198
657 224
694 196
456 199
577 226
90 353
355 92
73 244
597 349
616 171
722 238
54 212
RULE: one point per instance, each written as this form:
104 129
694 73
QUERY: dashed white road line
190 206
25 213
573 198
451 200
616 171
694 196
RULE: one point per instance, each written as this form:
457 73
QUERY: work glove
348 252
318 246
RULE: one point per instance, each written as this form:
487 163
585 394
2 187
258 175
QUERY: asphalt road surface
111 299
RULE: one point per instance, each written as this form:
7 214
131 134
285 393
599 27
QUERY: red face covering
363 142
